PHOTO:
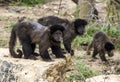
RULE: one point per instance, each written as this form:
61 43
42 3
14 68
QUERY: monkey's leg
102 55
33 50
27 50
57 51
95 52
68 47
46 56
43 51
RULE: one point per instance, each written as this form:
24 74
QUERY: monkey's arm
102 55
43 51
44 44
67 45
57 51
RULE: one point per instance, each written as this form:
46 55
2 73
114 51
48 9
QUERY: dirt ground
10 14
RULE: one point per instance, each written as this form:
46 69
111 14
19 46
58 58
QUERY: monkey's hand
72 52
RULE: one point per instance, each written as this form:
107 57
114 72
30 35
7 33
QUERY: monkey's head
109 47
79 25
56 33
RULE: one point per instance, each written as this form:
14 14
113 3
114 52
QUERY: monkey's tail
12 44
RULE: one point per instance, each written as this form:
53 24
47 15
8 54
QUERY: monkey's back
99 40
52 20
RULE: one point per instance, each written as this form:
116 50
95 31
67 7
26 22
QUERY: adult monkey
72 29
31 33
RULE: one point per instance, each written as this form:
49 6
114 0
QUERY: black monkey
30 33
101 44
72 29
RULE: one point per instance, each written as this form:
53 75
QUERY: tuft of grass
30 2
111 31
12 24
82 72
80 57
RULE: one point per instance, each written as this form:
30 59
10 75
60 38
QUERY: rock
104 78
26 70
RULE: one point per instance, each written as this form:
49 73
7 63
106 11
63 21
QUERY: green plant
12 24
85 39
80 57
82 72
111 31
29 2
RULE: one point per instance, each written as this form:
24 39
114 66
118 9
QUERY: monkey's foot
106 63
36 54
46 58
72 52
94 57
32 57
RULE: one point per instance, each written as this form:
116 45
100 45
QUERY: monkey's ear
109 46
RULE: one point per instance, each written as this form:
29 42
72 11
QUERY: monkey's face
79 25
57 36
109 47
80 30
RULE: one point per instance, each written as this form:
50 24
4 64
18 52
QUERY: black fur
52 20
80 22
55 28
72 29
101 45
109 46
31 33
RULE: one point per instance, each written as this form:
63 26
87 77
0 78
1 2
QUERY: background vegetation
30 2
25 2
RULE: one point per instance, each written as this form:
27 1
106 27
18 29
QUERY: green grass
82 72
80 57
29 2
